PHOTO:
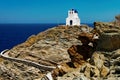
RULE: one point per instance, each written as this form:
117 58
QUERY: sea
14 34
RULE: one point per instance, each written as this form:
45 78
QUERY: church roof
75 10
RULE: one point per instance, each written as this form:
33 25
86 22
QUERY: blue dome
75 10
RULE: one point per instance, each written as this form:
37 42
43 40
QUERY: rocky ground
101 66
63 45
48 48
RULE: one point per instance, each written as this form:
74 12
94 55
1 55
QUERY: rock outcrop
117 21
109 41
49 45
109 36
103 64
80 53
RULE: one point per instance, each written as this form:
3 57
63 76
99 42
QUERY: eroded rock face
109 41
109 36
79 54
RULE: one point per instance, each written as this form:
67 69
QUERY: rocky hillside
47 48
51 44
77 52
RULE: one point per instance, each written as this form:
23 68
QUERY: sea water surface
14 34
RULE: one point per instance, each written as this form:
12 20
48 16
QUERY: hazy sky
55 11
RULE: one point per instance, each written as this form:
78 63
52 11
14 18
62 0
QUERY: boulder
104 71
91 71
85 28
97 60
100 62
87 36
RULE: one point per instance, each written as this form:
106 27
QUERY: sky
55 11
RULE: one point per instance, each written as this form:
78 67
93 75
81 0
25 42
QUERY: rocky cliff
77 52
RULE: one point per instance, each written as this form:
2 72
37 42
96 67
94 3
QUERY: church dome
74 10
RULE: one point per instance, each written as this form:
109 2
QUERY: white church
73 18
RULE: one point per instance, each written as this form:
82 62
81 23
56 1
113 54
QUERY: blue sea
14 34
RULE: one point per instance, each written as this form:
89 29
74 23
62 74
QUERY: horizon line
47 23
